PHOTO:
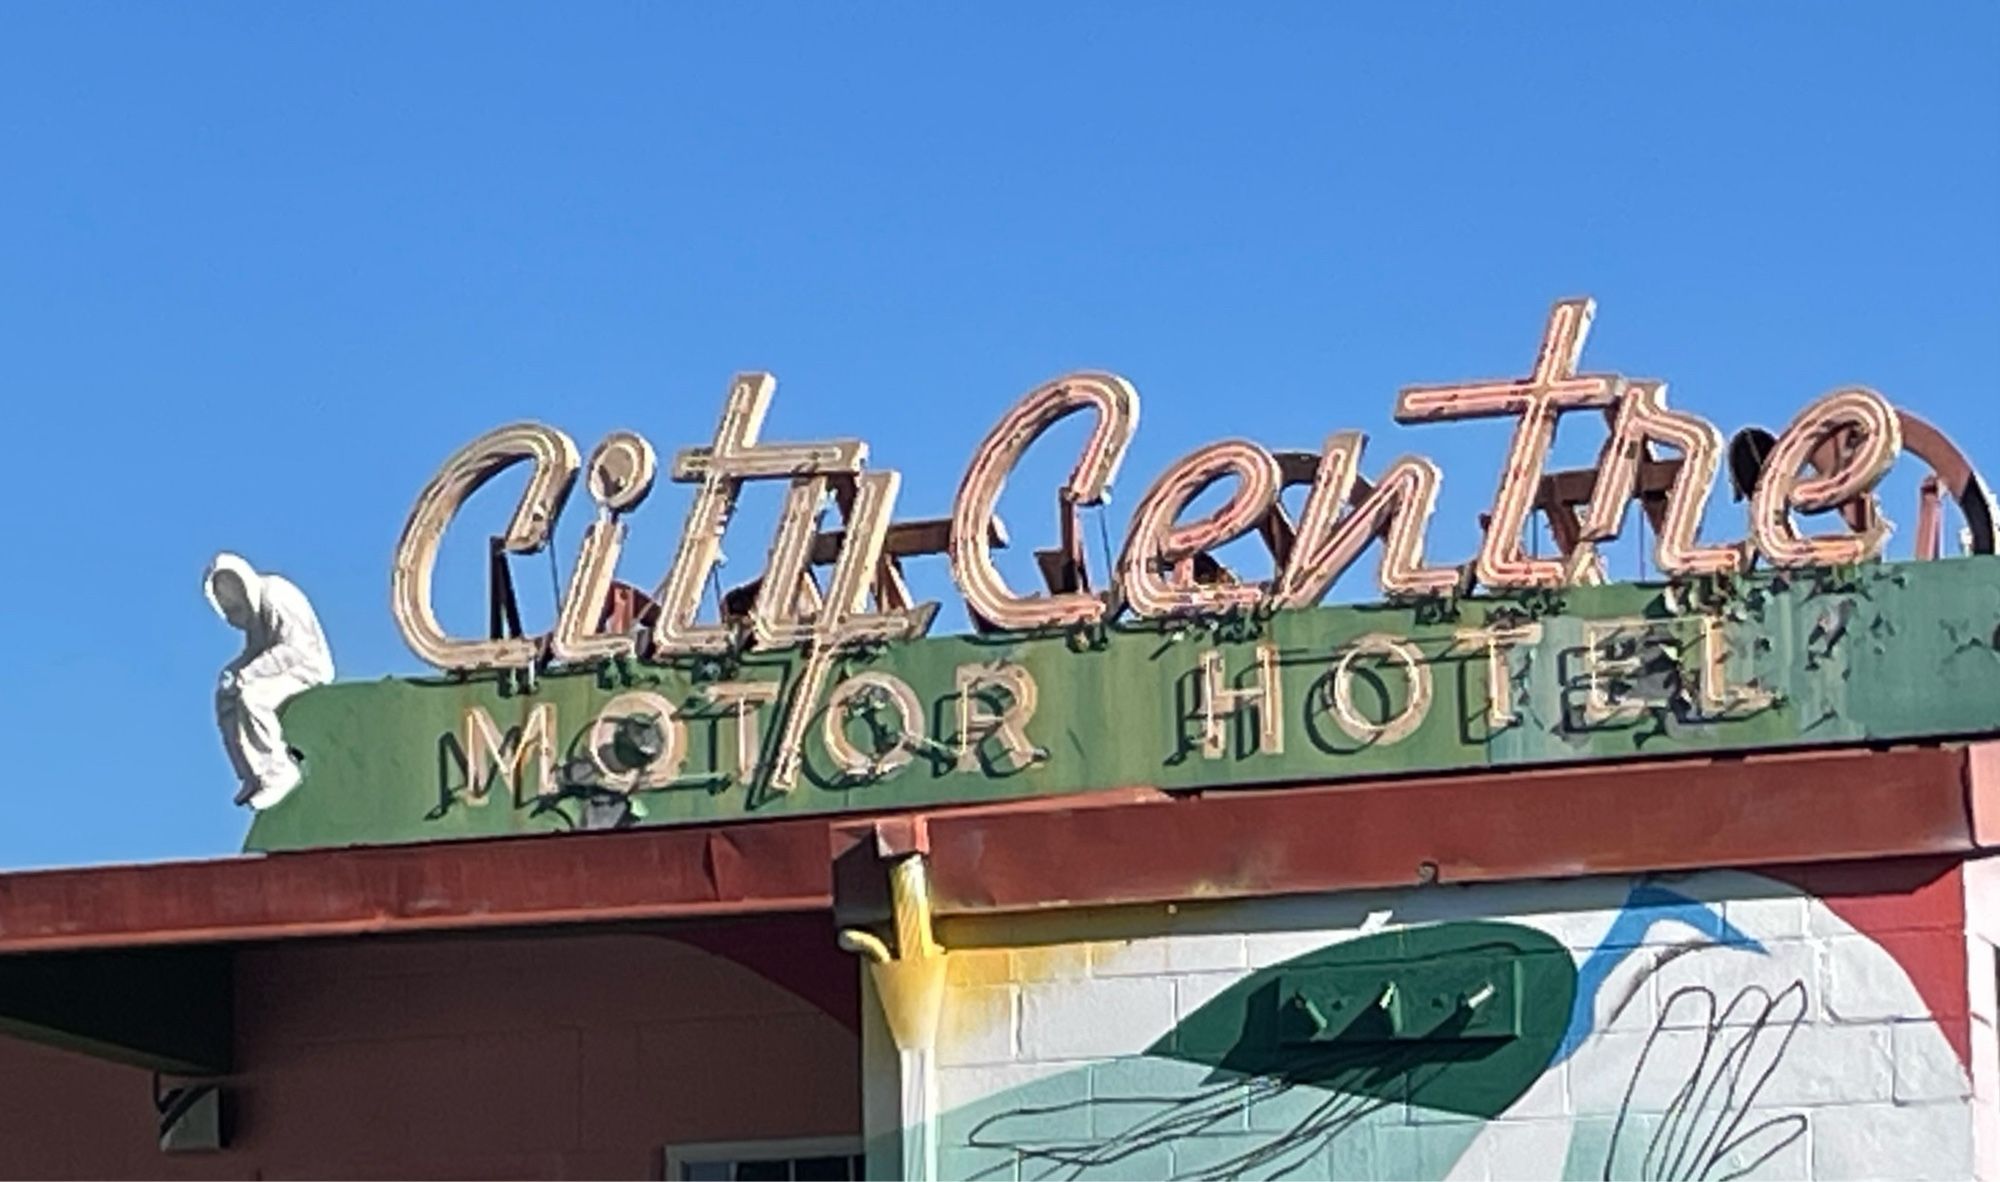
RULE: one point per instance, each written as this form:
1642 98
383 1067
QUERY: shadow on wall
1385 1056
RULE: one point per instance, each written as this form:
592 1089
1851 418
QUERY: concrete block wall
562 1055
1982 960
1807 1024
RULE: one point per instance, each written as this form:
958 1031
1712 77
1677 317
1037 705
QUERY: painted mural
1716 1025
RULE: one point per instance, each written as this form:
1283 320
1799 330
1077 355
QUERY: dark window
747 1168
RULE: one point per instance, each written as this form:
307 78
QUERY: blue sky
262 267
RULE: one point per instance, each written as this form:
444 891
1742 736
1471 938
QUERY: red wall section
1915 909
471 1056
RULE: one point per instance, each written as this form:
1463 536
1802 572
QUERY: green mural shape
1459 1017
1258 1083
1886 652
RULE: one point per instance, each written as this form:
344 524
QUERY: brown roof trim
1125 847
1656 815
519 882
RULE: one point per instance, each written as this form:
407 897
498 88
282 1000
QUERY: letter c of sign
555 462
972 566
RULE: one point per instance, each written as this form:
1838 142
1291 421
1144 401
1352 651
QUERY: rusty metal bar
754 868
1930 520
1132 846
1649 816
905 539
503 609
1563 493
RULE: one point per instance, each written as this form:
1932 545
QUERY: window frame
681 1154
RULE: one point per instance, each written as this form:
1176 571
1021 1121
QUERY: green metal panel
1475 1059
1227 1093
1465 997
1882 652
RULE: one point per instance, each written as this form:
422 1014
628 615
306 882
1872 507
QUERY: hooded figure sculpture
284 653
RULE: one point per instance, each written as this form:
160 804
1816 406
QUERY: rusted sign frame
1830 458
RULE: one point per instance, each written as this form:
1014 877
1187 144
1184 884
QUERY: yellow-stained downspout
910 983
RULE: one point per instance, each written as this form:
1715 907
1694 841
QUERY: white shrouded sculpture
284 653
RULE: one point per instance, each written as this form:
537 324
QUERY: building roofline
1130 846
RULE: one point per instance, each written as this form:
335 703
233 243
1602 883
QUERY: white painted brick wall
1907 1141
1860 985
1982 924
1881 1095
1922 1079
1094 1018
1727 972
958 1086
1772 917
1536 1149
1833 1065
984 1025
1195 990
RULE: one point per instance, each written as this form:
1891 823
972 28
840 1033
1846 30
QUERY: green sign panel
1881 652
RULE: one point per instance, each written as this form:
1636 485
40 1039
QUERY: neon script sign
1831 456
